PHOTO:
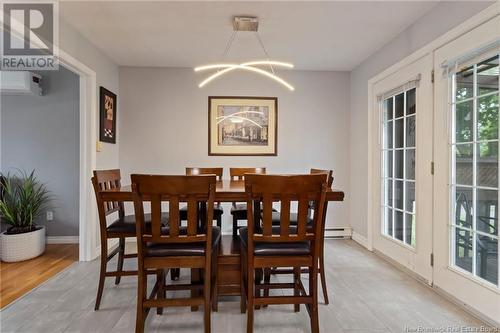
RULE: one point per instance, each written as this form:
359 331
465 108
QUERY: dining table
228 261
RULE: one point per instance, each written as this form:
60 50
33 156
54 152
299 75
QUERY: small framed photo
107 124
245 126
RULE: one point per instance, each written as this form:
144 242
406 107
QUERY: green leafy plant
22 198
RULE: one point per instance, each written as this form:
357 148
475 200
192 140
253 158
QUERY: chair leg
250 297
243 294
141 295
313 291
207 309
322 275
267 280
215 293
161 293
235 226
296 290
102 273
121 253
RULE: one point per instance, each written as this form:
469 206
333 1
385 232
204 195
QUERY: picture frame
107 118
242 126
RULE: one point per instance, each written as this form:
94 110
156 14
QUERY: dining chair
160 248
239 210
121 227
264 245
293 221
218 211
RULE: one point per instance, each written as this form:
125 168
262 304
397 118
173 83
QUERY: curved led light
248 67
252 63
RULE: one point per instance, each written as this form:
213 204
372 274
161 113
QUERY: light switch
99 146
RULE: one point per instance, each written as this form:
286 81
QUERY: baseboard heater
340 232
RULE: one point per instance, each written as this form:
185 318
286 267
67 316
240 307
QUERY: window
398 166
474 182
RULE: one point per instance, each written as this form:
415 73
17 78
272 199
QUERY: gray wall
42 133
164 124
73 43
439 20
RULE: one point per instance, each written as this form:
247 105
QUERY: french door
466 183
402 156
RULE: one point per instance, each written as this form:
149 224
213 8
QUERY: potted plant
22 198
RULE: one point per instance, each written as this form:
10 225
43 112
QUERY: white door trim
461 29
88 136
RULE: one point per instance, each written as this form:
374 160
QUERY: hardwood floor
367 294
16 279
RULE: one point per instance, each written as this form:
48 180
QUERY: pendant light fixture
247 24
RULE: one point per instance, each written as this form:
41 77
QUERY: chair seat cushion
127 223
218 211
275 249
181 249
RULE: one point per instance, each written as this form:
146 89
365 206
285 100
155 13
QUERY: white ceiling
312 35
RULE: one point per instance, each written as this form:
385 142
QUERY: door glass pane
487 76
487 258
388 221
398 194
463 249
464 84
410 101
410 229
387 167
398 225
410 197
399 133
463 164
463 121
487 211
398 163
399 101
387 136
475 227
388 193
410 131
463 207
487 164
487 117
410 164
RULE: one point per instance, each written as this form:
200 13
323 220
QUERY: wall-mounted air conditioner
20 83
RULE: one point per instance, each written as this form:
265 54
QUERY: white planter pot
23 246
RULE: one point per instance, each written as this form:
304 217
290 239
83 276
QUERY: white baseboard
338 232
360 239
62 239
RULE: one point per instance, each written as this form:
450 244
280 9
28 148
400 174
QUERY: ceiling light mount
246 24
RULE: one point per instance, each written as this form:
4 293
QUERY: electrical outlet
50 215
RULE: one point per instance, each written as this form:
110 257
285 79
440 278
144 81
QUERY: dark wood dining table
228 266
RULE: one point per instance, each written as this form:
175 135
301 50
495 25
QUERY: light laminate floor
366 295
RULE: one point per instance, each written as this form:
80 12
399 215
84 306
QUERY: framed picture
107 124
243 126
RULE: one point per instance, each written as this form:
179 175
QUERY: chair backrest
239 173
107 180
285 189
205 171
329 180
174 189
